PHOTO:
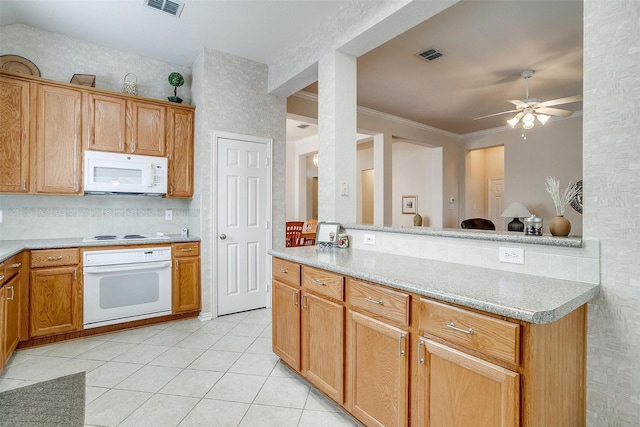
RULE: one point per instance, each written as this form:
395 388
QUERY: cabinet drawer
54 257
383 302
12 266
323 282
487 335
286 271
190 249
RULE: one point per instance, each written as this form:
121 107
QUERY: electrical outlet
369 239
168 215
511 255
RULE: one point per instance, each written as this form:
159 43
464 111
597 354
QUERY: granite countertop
533 299
9 248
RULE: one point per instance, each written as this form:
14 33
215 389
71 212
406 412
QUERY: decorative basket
130 86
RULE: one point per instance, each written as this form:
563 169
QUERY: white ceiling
486 44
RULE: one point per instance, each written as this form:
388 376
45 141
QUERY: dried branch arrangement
560 200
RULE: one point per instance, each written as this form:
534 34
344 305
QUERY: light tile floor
220 372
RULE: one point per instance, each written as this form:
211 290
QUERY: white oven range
122 285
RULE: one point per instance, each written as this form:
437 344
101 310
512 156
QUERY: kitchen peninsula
398 340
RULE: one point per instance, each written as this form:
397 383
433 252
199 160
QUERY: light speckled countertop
8 248
519 296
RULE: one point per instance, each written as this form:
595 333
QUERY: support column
337 117
382 186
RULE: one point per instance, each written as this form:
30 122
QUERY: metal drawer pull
16 265
55 258
304 300
373 301
319 282
400 350
420 359
2 277
186 249
295 299
455 328
283 270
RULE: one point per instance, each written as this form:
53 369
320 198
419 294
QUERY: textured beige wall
612 198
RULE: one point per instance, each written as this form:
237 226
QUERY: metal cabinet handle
420 359
400 349
75 274
304 301
319 282
295 298
122 145
223 236
16 265
12 293
373 301
176 264
133 147
453 326
283 270
24 184
2 277
55 258
171 190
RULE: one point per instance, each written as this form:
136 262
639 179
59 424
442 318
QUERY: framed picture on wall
409 204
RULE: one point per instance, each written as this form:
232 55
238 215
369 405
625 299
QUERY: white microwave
119 173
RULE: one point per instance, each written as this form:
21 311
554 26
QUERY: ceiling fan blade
567 100
554 112
496 114
518 103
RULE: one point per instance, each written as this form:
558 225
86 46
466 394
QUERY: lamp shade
516 210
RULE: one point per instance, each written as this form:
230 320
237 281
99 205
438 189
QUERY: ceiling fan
530 109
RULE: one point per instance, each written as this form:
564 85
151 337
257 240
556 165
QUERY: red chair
308 234
293 230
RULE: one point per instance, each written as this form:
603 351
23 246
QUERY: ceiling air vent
302 126
430 54
172 7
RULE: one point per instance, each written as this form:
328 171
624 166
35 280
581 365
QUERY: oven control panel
126 256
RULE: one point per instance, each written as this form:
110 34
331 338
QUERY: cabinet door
286 323
14 135
378 371
323 344
459 390
180 131
186 284
11 302
55 301
58 140
105 117
146 128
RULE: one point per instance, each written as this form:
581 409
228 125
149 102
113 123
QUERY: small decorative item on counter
533 226
417 220
560 226
84 80
130 86
184 232
343 241
176 80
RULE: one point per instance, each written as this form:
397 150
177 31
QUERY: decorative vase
417 220
560 226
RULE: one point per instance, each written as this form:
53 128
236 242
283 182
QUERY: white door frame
217 135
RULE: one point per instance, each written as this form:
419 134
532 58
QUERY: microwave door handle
151 175
126 267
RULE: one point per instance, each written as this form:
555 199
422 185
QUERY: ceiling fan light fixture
513 121
543 118
528 119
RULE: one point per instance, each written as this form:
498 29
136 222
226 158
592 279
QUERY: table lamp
516 210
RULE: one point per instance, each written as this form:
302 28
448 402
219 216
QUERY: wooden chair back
292 232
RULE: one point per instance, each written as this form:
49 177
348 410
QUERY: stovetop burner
105 237
134 236
115 237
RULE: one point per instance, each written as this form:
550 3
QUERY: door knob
223 236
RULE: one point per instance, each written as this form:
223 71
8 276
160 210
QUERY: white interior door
496 202
242 220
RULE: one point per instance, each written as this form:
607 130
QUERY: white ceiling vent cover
172 7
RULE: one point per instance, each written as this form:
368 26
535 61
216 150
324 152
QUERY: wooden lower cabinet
55 301
457 389
186 277
286 323
403 359
378 372
323 344
10 323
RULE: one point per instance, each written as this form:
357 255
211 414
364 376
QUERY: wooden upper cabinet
14 135
180 147
146 128
106 122
58 145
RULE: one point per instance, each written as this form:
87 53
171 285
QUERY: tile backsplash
38 217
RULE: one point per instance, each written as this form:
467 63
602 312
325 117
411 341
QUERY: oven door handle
127 267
